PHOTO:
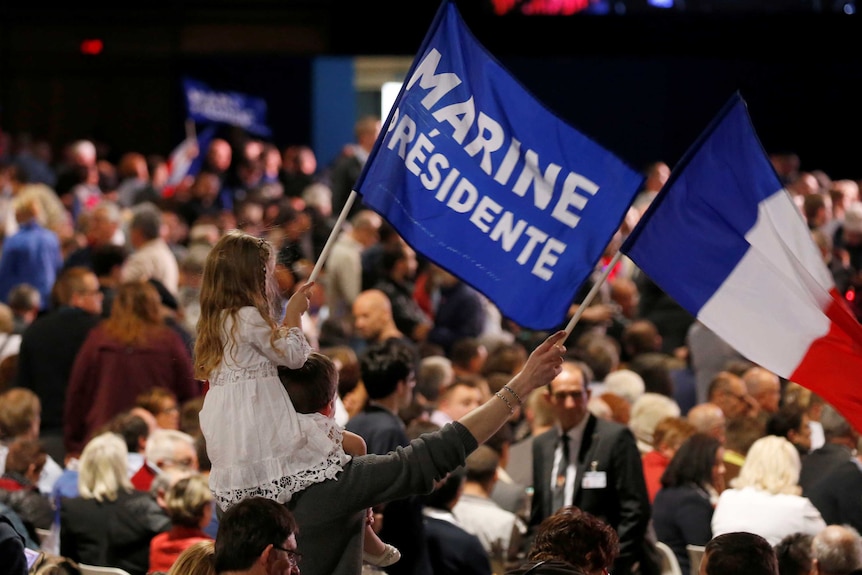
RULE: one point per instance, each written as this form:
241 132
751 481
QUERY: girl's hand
297 305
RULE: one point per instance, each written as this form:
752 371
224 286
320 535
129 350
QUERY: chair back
669 563
695 554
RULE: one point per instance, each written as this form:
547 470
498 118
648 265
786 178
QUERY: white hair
600 408
626 383
318 196
84 150
161 444
647 411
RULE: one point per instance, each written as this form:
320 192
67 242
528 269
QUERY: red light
850 295
91 47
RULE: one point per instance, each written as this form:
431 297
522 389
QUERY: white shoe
388 557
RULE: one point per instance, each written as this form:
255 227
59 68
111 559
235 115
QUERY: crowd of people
178 397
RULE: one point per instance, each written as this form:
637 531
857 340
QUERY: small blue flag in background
205 105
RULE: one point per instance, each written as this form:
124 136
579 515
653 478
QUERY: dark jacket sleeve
694 517
135 520
12 549
68 537
634 505
411 470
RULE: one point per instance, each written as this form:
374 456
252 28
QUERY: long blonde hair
238 272
135 313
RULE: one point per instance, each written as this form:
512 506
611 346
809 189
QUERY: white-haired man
166 449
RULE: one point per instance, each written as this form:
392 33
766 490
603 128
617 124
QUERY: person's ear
160 498
329 409
266 556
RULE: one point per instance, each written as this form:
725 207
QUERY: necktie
562 468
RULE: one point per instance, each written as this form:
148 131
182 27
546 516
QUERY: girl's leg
374 550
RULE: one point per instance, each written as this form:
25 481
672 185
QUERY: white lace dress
257 442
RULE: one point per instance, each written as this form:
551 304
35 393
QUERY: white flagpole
331 239
592 293
190 129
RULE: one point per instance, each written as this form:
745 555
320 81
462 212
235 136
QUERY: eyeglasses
187 462
294 557
562 395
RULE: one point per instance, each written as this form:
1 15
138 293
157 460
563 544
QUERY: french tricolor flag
725 240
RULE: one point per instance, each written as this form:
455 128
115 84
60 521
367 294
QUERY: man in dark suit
838 495
840 445
49 347
594 465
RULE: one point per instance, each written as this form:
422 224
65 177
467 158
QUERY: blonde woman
188 503
196 560
110 523
765 498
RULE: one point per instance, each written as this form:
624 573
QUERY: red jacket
654 464
9 484
166 547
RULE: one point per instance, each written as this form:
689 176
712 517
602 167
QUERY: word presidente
507 165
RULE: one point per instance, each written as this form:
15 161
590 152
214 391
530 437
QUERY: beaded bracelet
515 395
508 404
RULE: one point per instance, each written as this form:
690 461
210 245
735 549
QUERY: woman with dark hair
683 507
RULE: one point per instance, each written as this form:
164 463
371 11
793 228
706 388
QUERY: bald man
372 317
836 550
728 391
765 387
708 418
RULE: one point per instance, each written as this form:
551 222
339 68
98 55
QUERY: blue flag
233 108
482 179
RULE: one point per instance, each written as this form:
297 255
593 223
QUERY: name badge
595 480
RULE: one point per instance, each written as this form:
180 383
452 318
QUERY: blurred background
642 78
